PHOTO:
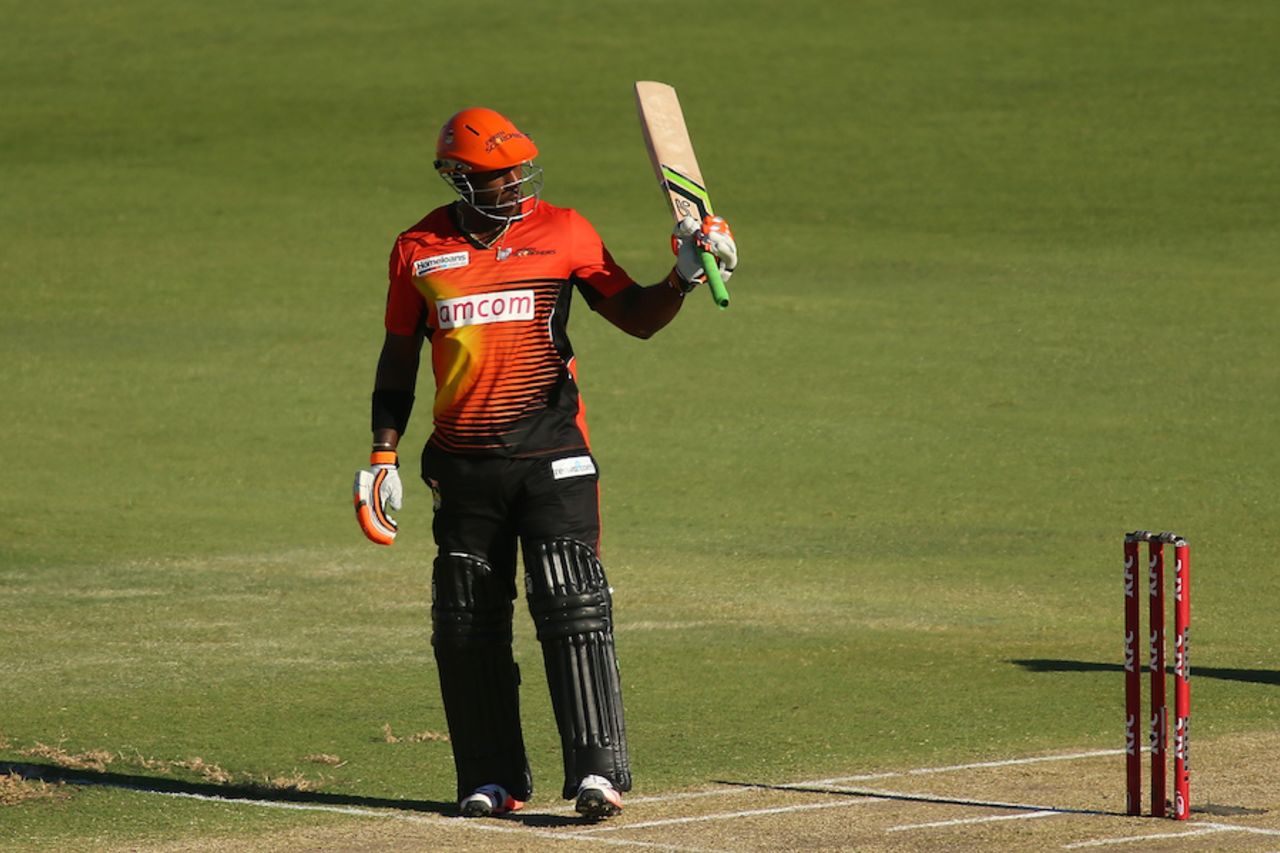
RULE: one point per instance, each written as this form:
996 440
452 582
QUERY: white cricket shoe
487 801
597 798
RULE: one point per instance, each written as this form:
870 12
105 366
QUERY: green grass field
1008 288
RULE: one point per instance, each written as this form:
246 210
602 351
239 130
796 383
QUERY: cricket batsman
488 281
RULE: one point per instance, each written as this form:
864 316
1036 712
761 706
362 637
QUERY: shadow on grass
1252 676
877 794
282 797
33 772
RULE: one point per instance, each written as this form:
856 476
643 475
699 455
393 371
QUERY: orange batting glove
689 239
376 490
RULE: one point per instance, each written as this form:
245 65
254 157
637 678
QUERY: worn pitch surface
1069 801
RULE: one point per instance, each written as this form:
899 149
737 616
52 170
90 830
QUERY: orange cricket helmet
477 141
481 140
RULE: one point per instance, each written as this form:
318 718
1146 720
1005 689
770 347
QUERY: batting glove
689 240
378 489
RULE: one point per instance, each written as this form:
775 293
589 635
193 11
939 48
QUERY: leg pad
479 681
573 613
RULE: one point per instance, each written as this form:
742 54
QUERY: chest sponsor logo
574 466
426 266
527 252
505 307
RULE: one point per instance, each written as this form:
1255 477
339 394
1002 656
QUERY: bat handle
715 284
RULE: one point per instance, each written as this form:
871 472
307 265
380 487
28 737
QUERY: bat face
670 150
676 167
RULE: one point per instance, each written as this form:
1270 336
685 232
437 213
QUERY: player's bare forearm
643 311
398 362
394 382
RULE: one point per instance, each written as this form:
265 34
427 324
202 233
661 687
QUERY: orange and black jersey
496 319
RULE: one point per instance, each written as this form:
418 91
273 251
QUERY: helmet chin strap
483 237
483 225
496 218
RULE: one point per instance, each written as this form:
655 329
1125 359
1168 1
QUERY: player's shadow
51 773
1252 676
37 772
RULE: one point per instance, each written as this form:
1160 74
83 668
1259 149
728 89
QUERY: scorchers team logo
501 137
480 308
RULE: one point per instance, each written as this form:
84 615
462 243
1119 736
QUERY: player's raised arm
676 167
642 311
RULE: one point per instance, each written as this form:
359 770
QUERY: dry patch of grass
295 781
15 790
210 772
95 759
154 765
388 736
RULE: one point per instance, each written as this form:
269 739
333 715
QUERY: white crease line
592 835
438 821
730 790
724 791
719 791
1135 839
1255 830
953 768
302 807
865 777
724 816
924 797
1203 829
968 820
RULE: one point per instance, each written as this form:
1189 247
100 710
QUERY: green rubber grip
715 284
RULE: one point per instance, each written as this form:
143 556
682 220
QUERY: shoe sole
593 805
477 810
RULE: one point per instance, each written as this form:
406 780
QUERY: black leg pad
573 613
479 681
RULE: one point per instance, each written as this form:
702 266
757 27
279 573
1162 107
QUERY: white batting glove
376 490
689 240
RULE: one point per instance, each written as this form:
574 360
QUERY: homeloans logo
481 308
453 260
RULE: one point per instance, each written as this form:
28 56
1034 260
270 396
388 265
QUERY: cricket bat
676 166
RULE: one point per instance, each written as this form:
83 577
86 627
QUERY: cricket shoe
488 801
598 799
